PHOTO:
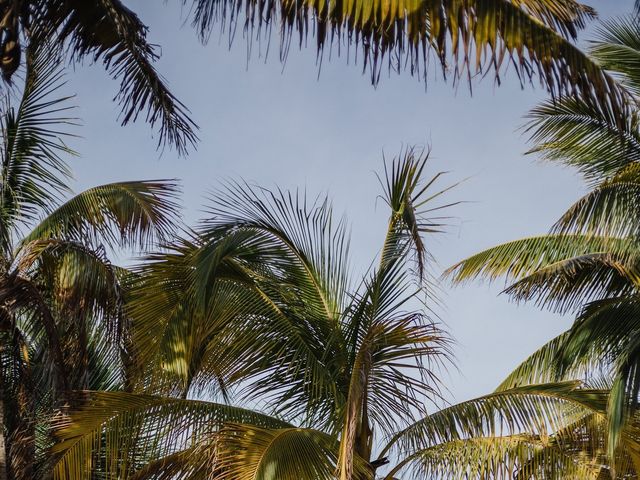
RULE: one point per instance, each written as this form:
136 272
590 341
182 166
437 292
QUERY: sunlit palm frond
607 332
527 408
518 259
544 366
131 214
34 175
118 433
502 457
246 452
566 285
466 37
304 228
580 135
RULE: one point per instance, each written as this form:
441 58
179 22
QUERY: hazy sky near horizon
292 129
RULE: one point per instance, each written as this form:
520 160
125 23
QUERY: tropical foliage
245 348
467 38
61 314
588 263
259 304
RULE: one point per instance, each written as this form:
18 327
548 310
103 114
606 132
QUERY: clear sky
288 128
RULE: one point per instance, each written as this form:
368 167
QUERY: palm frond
533 409
117 434
521 456
579 134
246 452
134 214
466 37
112 33
566 285
607 331
518 259
617 49
34 175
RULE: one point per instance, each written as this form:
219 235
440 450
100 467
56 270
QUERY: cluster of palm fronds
465 37
307 372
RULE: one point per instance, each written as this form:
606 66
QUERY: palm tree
259 304
466 37
61 315
589 262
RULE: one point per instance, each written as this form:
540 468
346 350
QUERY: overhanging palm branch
108 31
119 433
582 136
467 38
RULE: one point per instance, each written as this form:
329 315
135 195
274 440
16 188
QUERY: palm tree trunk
3 450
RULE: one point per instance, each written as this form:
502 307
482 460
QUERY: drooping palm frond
565 285
503 457
544 366
608 210
34 175
109 31
126 214
465 37
518 259
118 434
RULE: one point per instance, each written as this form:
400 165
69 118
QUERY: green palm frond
518 259
246 452
608 210
109 31
580 135
33 173
607 332
467 37
119 433
617 49
533 411
565 285
130 214
543 366
502 457
528 408
316 245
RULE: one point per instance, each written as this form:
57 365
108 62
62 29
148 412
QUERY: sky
284 126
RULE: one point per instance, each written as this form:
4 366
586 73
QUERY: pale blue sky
290 129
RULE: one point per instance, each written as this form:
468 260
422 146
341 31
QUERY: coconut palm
61 317
589 262
316 379
259 304
466 37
